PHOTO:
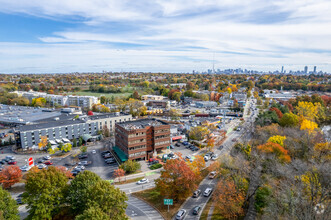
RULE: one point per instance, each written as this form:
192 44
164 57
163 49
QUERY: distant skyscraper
314 69
282 69
306 69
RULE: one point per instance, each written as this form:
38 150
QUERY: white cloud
176 35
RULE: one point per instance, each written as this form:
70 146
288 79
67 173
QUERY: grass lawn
152 197
96 94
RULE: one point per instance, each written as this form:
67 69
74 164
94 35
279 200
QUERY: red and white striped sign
30 161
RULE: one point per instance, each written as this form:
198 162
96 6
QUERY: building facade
29 136
142 139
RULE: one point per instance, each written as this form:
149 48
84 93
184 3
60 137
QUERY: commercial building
152 97
141 139
70 100
206 104
56 131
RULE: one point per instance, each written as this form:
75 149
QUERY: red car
12 162
48 162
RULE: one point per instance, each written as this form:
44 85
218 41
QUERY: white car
42 166
93 151
79 167
47 157
207 192
143 181
83 163
214 157
25 168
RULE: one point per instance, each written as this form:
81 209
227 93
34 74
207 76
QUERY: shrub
155 166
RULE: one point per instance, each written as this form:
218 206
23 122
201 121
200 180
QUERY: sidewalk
142 174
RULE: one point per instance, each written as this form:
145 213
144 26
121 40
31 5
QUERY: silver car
181 214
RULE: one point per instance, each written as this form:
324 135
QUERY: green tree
80 141
94 213
289 120
74 142
83 149
78 192
45 192
262 198
8 206
130 166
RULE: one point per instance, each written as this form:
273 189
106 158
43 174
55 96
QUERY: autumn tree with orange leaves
10 175
177 180
278 112
229 199
276 149
118 173
197 165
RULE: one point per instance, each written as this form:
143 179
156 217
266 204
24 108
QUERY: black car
196 193
196 210
105 152
42 160
221 147
177 145
3 161
83 156
19 201
195 149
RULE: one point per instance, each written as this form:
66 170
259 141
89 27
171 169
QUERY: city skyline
163 36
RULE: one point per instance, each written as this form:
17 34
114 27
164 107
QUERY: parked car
79 167
25 168
207 192
214 157
197 193
196 210
189 158
110 160
206 157
177 145
9 158
70 164
172 147
83 163
3 161
42 160
151 159
195 149
12 162
154 162
105 152
93 151
185 143
47 157
42 166
212 175
181 214
48 163
19 201
143 181
108 156
83 156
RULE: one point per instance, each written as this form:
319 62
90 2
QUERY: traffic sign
168 202
30 161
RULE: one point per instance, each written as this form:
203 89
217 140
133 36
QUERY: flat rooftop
140 124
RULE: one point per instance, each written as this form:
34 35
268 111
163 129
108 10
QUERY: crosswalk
139 210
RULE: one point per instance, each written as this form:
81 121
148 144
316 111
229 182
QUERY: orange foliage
279 151
10 175
228 199
278 112
118 173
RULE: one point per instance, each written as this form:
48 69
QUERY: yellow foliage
310 126
43 142
312 184
308 110
323 150
277 139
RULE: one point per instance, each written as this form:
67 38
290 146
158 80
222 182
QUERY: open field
96 94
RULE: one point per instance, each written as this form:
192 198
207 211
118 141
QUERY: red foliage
326 99
118 173
10 175
278 112
89 113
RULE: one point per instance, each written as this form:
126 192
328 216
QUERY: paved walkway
210 212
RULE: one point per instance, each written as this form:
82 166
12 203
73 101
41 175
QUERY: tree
118 173
105 131
262 198
80 141
10 175
278 112
106 198
289 120
135 95
173 114
197 165
229 199
277 139
310 126
307 110
83 149
94 213
43 142
145 84
322 151
210 143
78 193
44 192
74 142
8 206
198 133
275 149
66 147
130 166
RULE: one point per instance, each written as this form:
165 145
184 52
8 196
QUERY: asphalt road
139 210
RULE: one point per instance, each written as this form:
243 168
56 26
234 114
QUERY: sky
61 36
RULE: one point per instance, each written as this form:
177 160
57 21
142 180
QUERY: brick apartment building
140 139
